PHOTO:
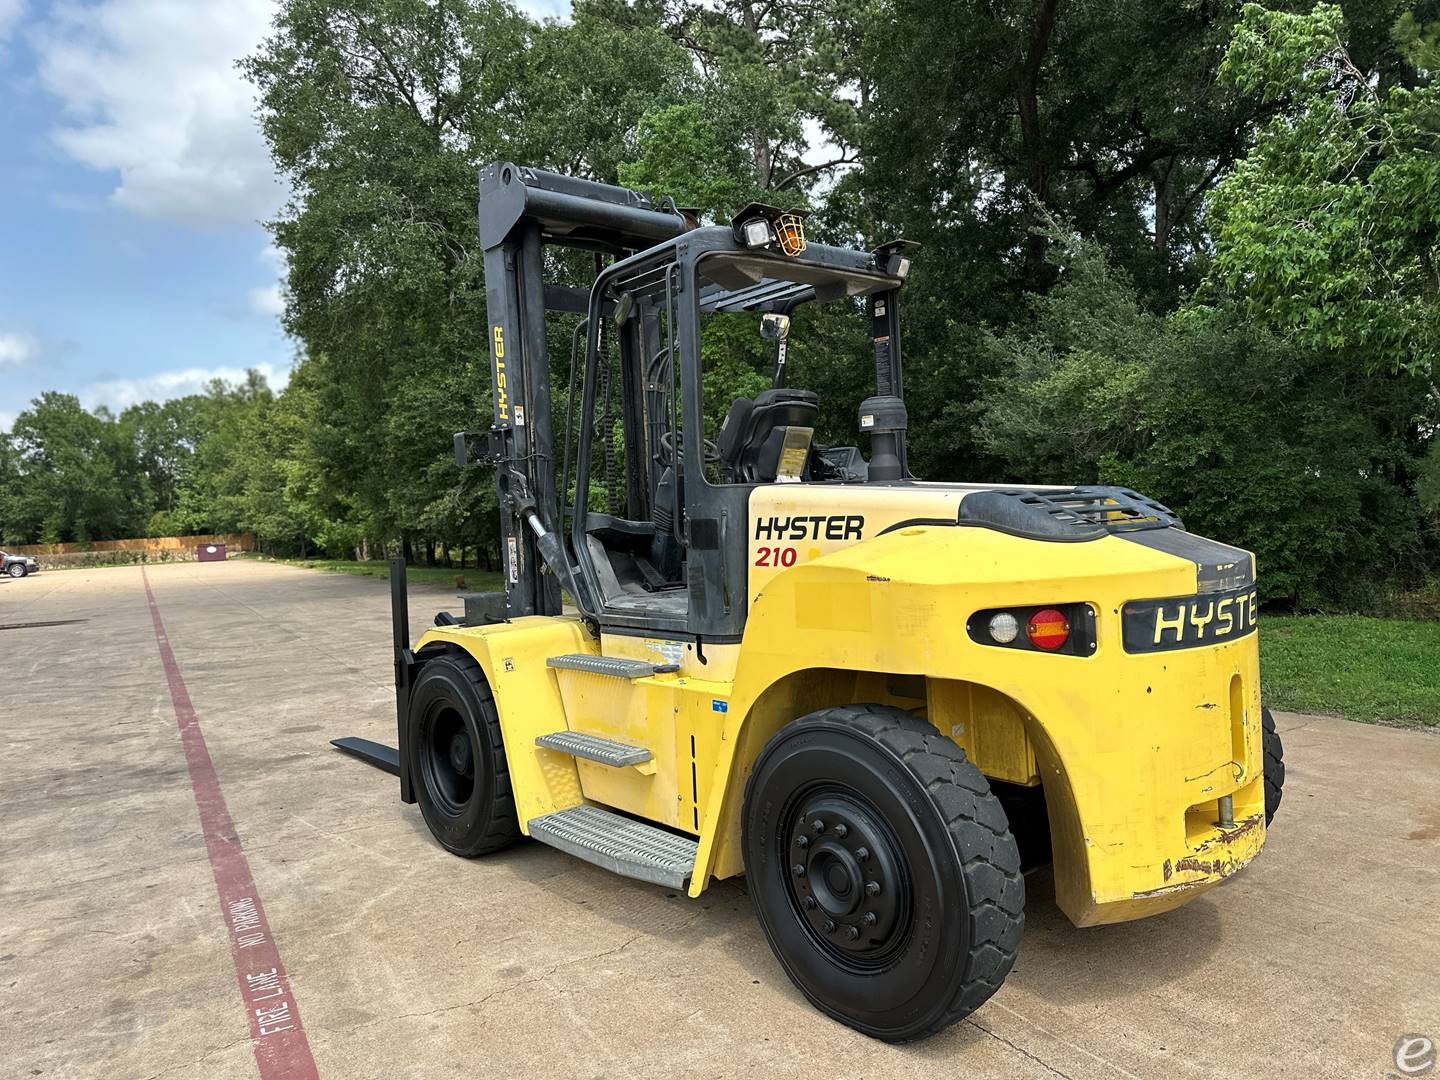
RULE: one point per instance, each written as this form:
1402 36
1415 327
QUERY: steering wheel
667 450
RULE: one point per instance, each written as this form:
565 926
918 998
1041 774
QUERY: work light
893 257
760 226
757 233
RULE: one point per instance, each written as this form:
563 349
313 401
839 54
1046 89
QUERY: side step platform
594 748
622 845
614 666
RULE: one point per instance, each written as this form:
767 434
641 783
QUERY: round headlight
1004 628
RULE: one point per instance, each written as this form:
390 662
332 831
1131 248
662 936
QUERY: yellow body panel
527 697
1133 750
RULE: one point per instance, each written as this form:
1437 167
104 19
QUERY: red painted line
281 1049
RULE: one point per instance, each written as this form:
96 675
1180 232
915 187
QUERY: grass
1384 671
470 579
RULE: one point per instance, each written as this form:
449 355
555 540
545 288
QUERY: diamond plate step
615 666
629 848
594 748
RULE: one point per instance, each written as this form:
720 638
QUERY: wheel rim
17 571
449 761
848 878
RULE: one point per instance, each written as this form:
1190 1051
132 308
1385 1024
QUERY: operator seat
751 438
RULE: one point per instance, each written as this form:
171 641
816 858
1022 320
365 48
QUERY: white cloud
120 394
267 301
546 9
15 349
10 13
151 91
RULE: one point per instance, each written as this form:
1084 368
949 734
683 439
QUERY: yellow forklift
882 700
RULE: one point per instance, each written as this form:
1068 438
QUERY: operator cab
658 516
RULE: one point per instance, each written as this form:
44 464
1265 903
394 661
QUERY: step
614 666
620 844
594 748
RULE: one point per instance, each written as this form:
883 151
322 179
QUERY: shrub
1293 452
162 523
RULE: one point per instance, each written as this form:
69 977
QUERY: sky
133 184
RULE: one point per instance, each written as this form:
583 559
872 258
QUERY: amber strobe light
1048 629
790 231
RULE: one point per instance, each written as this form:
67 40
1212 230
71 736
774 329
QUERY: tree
1107 114
380 112
1270 444
211 500
1327 229
76 477
165 436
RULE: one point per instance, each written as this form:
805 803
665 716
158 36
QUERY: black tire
1274 764
457 758
17 570
922 827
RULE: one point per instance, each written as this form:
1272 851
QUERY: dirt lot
144 864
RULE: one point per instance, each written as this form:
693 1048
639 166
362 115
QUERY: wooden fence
152 546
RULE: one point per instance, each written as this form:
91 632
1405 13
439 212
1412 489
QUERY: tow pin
1227 812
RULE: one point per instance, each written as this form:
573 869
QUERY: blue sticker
716 705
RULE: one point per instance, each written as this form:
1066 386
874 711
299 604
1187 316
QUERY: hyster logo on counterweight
811 527
1184 622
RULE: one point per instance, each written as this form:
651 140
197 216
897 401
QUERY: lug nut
862 853
851 933
841 831
829 926
869 919
798 869
872 888
808 903
802 841
817 826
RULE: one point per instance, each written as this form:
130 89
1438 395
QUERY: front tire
17 570
457 758
882 870
1274 764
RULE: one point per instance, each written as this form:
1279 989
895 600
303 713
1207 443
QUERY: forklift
882 700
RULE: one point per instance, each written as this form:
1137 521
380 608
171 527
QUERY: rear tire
882 870
457 758
1274 764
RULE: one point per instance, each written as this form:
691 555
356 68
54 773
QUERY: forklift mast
521 211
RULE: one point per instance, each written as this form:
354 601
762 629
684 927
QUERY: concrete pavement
117 959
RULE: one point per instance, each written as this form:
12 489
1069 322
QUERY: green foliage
75 476
1327 229
1428 483
682 155
162 523
1418 42
1277 447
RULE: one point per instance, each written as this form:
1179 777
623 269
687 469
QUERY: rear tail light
1068 629
1048 629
